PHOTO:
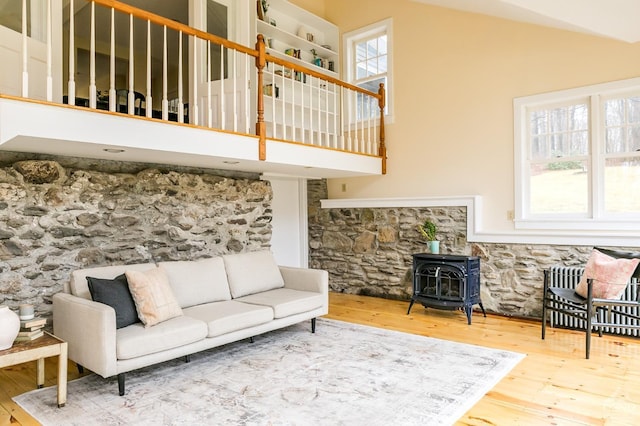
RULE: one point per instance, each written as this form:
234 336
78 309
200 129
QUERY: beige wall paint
455 77
317 7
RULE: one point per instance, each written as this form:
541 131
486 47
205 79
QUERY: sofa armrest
305 279
90 330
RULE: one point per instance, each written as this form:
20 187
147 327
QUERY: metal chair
591 313
122 102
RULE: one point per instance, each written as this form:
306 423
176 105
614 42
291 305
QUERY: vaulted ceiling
616 19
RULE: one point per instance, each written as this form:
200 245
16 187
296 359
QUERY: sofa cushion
285 301
226 317
116 294
252 272
153 296
78 285
136 340
197 282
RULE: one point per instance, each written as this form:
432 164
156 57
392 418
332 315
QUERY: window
578 158
368 60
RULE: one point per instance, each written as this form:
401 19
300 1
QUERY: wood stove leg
468 310
483 311
410 305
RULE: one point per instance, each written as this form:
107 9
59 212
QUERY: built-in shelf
307 108
287 26
308 64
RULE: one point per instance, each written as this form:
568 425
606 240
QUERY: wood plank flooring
553 385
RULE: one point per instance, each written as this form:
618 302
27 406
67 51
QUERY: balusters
342 130
131 100
194 110
180 80
71 91
92 59
222 124
25 53
112 65
49 74
336 131
209 111
165 77
148 102
235 90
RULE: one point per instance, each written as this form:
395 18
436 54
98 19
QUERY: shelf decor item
263 8
9 327
428 230
26 312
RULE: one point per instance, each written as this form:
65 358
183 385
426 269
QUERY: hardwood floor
553 385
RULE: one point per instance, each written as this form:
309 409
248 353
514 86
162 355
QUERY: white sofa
223 299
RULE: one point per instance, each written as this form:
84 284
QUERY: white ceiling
616 19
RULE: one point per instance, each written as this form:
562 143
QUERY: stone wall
368 251
56 218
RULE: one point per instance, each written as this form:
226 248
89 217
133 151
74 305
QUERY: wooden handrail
177 26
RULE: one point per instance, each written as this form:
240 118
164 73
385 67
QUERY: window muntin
578 158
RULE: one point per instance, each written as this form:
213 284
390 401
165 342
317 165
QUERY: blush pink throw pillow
610 275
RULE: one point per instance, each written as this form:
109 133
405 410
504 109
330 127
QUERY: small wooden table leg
62 375
40 372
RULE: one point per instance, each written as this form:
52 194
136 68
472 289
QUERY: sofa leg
313 325
187 358
121 383
80 368
251 339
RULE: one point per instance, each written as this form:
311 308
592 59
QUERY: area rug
344 374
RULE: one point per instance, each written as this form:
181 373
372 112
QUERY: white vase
434 247
9 327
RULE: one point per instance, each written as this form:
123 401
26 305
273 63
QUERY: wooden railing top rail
169 23
177 26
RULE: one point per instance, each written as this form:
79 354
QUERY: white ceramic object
9 327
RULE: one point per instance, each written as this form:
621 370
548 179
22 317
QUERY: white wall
289 239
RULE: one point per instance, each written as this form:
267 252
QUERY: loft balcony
106 80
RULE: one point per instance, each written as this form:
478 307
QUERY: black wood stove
445 281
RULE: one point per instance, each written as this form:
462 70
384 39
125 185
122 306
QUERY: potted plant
428 230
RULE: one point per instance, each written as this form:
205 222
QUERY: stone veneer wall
368 251
56 218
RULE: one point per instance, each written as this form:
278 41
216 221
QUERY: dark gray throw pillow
620 254
116 294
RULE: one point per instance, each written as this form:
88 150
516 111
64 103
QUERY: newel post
261 128
382 150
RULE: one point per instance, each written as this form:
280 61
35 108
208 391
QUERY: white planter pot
9 327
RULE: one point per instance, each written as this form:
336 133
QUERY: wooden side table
37 350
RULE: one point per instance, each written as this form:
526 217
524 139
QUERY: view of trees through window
575 171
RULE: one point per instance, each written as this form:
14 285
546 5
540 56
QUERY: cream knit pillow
153 296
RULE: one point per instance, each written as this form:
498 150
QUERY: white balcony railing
204 80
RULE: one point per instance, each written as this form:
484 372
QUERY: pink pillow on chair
610 275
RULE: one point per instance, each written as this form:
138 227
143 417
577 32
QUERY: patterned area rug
345 374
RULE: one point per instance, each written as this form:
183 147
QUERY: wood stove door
441 282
